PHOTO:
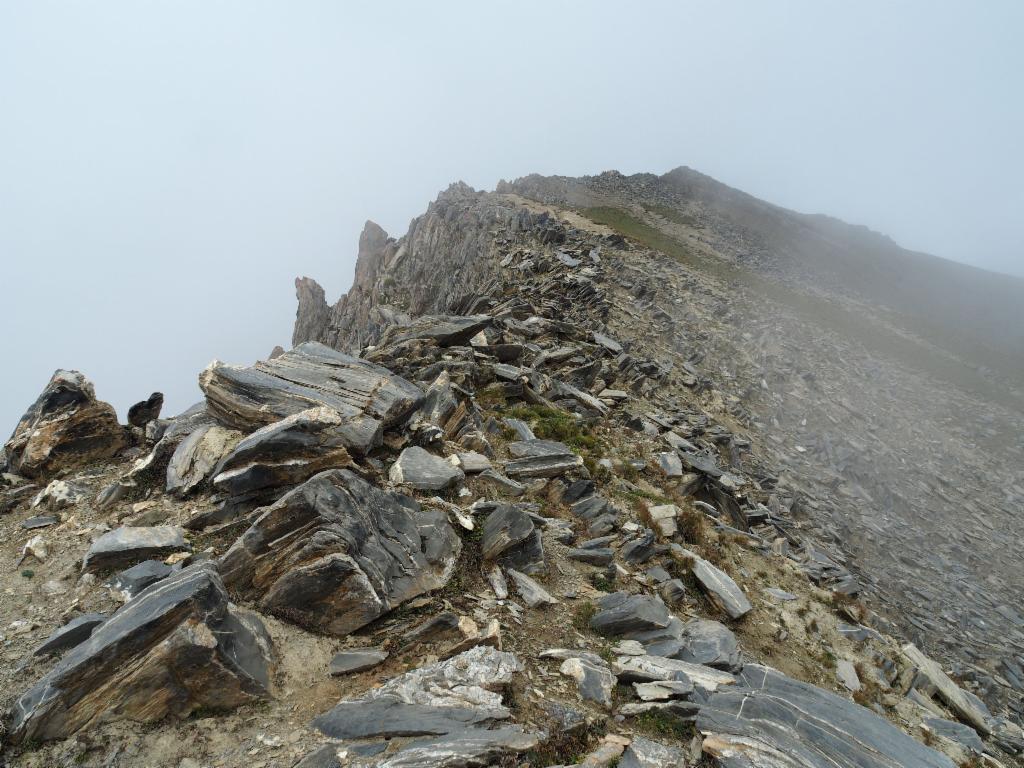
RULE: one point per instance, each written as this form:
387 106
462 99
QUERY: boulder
647 669
180 647
132 581
285 453
540 458
770 720
622 614
337 552
718 586
59 494
422 470
663 519
594 680
710 643
140 414
128 545
433 700
510 538
194 460
366 396
951 693
444 330
65 428
644 753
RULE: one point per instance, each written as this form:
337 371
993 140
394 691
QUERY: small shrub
582 616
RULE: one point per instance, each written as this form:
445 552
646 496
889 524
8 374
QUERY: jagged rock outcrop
337 552
178 647
366 396
65 428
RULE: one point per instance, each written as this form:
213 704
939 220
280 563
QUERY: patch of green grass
491 396
638 495
553 424
28 573
603 583
658 722
674 215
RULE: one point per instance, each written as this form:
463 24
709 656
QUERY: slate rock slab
337 552
594 679
367 396
132 581
127 545
644 753
356 660
710 643
954 696
178 648
71 634
769 719
445 330
648 669
540 458
437 699
422 470
194 460
621 614
510 538
289 452
718 586
65 428
533 594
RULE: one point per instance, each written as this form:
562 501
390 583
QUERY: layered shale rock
65 428
176 648
367 397
337 552
771 720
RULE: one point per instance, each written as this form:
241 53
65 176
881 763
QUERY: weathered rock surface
71 634
65 428
533 594
510 538
719 586
772 720
196 457
285 453
622 614
132 581
424 471
445 330
594 679
140 414
540 458
644 753
356 660
366 396
128 545
178 648
336 552
950 692
458 701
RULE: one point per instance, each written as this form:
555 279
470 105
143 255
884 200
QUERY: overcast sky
168 168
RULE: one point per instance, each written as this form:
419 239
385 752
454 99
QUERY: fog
168 168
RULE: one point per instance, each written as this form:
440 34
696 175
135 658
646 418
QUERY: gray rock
59 494
473 463
663 690
424 471
434 700
39 521
594 679
336 553
510 538
289 451
600 556
669 464
140 414
71 634
126 545
540 458
65 428
366 396
491 479
622 614
710 643
445 330
847 675
194 460
963 735
649 669
521 428
177 648
718 585
954 696
772 720
533 594
132 581
356 660
644 753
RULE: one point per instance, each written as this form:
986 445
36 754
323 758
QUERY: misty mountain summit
604 471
